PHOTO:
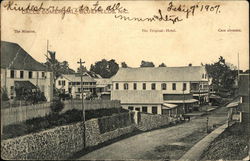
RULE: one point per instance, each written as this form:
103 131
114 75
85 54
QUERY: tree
58 68
104 68
247 71
222 76
147 64
81 69
162 65
124 65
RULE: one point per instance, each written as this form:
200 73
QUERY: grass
232 144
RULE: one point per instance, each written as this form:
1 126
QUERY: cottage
181 87
20 71
103 87
71 84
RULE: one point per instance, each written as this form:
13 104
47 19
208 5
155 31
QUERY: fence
18 114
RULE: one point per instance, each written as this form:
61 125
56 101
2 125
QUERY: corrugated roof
103 81
138 97
74 78
169 106
187 73
181 101
14 56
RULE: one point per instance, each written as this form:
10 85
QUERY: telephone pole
83 109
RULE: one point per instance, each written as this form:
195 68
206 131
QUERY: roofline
25 69
159 81
163 67
142 103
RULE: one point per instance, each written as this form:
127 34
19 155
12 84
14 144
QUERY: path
167 143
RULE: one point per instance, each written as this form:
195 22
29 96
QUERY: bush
56 106
4 94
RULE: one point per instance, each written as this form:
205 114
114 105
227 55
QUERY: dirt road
167 143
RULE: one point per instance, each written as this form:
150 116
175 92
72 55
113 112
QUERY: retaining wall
60 142
150 121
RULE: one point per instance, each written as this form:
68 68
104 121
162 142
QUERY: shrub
56 106
4 94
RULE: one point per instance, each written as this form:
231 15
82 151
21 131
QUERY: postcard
124 79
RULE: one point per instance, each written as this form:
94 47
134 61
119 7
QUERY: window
69 90
59 83
63 82
30 74
154 109
117 86
202 75
144 86
70 83
79 90
205 76
125 86
21 74
131 108
12 74
153 86
163 86
173 86
137 109
135 86
144 109
77 83
184 86
43 74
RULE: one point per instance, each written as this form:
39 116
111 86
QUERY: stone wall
60 142
151 121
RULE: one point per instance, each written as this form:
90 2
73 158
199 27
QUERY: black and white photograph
125 80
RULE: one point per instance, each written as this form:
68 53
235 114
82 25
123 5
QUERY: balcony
198 90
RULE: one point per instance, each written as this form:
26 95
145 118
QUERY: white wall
179 86
45 83
66 86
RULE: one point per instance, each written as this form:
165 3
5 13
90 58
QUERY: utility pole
238 67
83 109
183 100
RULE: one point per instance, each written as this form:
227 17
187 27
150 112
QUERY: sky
101 36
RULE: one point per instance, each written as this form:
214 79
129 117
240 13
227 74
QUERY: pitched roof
75 78
14 56
187 73
138 97
103 81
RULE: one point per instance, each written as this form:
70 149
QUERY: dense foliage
58 68
4 94
147 64
56 106
124 65
223 78
105 68
30 96
162 65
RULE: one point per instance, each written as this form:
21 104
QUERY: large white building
20 70
164 87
